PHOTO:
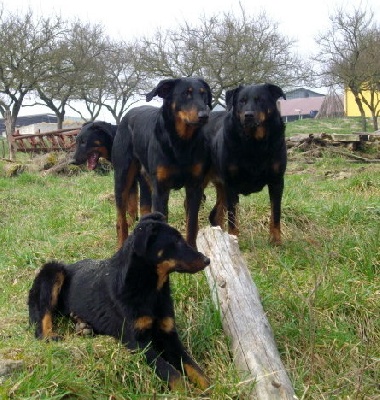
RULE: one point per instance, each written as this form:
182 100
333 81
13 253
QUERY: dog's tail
44 293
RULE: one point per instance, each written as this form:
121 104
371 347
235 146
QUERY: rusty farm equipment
60 140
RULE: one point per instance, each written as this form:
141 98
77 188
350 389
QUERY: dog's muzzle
250 119
203 116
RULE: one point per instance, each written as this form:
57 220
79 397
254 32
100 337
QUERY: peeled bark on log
243 316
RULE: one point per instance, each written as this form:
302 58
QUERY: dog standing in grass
127 297
164 148
248 152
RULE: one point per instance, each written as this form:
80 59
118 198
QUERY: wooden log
243 317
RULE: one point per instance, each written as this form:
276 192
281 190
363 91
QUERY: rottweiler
166 147
94 140
248 152
126 296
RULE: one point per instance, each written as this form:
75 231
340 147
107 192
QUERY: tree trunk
8 133
374 121
361 109
243 317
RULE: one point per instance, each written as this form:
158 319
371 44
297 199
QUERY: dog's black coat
94 140
248 152
167 146
127 296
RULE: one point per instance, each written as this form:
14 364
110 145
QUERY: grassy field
326 125
320 289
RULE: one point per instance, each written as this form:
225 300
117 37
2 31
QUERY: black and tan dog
167 147
94 140
127 297
248 152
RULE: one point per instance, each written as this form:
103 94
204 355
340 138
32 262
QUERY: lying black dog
248 151
94 140
126 296
167 147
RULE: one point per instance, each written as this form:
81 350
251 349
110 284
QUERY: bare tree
227 51
349 55
73 67
24 44
121 81
370 66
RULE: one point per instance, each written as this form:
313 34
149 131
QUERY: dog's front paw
51 337
54 338
177 384
83 329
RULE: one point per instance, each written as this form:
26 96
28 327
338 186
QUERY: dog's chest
177 176
246 178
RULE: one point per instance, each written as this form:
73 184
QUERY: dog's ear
230 95
275 91
145 230
142 234
155 216
162 89
106 128
209 94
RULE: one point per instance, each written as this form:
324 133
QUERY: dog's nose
206 260
250 118
203 115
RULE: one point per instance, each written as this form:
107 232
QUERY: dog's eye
243 100
189 93
177 242
203 93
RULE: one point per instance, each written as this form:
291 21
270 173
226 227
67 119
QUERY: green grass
320 289
326 125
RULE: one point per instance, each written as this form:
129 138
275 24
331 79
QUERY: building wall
350 107
41 127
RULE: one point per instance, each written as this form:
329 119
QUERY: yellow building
351 109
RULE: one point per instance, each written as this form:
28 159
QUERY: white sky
301 20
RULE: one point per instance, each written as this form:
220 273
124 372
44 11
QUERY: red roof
301 106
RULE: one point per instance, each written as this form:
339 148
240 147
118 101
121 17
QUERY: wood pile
347 145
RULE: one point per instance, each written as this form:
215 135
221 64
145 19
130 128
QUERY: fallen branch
355 157
243 317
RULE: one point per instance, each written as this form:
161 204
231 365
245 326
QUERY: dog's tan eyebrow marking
97 142
143 323
160 253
